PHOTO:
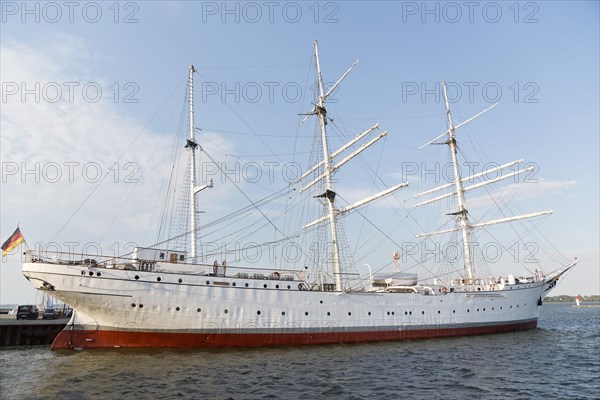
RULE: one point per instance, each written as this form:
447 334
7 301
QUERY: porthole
208 282
306 313
423 312
91 273
369 313
258 312
388 313
158 279
328 313
198 309
289 287
226 311
283 313
517 306
492 308
98 274
410 313
405 312
137 277
321 301
478 309
439 312
179 280
265 285
484 309
392 313
177 308
501 307
141 306
468 310
453 311
233 284
349 313
246 285
132 304
82 272
276 286
510 306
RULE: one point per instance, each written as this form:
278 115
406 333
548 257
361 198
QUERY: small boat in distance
578 304
161 296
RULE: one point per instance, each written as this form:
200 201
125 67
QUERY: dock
37 332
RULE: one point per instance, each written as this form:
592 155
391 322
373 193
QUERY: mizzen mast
192 145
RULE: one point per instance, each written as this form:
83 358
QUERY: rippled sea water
559 360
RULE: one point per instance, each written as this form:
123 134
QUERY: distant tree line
571 299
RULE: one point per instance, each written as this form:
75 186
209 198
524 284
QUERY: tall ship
172 295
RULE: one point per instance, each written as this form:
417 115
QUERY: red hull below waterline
70 339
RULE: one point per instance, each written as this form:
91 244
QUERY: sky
92 94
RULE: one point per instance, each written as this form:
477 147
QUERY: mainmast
329 168
329 193
462 212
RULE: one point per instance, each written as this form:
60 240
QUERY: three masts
160 298
323 171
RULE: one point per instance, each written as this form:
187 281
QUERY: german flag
13 241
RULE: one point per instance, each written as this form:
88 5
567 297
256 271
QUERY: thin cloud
521 192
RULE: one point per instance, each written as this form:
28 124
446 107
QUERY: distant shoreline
571 299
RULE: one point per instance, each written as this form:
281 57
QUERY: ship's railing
61 258
272 276
127 263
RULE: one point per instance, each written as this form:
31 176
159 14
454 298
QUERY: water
559 360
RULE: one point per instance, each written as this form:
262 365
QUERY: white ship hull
130 308
144 301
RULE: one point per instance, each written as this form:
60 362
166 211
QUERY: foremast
465 226
462 212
